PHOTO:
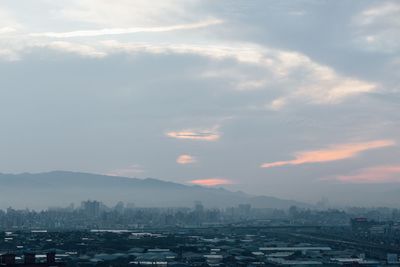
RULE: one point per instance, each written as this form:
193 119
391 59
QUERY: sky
294 99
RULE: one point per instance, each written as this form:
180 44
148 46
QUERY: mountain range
60 188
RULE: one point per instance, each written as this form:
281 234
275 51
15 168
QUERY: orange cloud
378 174
332 153
186 159
204 135
211 182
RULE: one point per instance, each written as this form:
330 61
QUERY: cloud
8 21
186 159
293 75
130 171
17 50
240 78
5 30
75 48
116 31
332 153
377 174
378 27
298 75
9 55
126 12
384 9
277 104
246 53
211 182
302 77
196 134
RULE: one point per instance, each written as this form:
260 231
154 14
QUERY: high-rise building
91 208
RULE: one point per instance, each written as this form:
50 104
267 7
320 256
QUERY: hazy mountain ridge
41 190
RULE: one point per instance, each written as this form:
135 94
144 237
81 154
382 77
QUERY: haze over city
291 99
199 133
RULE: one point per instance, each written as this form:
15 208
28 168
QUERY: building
29 260
91 208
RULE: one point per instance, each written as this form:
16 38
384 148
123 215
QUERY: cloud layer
225 82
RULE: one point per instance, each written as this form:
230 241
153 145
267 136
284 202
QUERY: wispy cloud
120 13
9 55
377 174
246 53
277 104
130 171
186 159
374 13
211 182
117 31
196 134
237 78
318 83
4 30
9 22
331 153
295 74
75 48
378 26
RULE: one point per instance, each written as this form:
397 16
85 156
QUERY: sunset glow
211 182
203 135
332 153
377 174
186 159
